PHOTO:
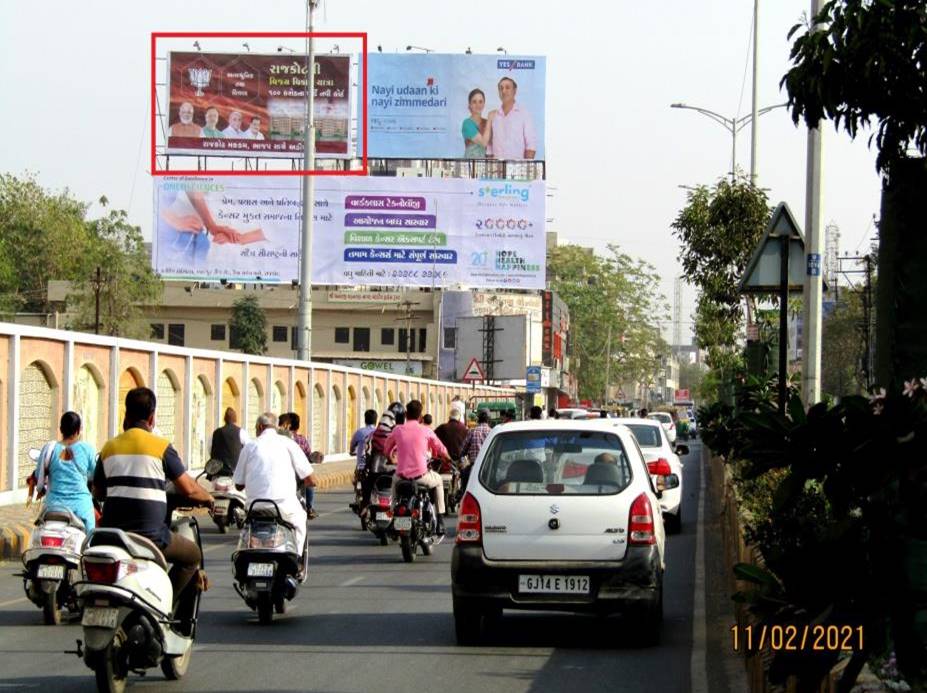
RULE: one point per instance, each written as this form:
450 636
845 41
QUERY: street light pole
756 35
304 336
733 126
814 244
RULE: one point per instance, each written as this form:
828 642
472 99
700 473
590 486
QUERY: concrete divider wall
45 372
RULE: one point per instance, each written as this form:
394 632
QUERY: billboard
249 104
510 346
439 106
367 231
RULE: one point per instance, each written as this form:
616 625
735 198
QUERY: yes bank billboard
440 106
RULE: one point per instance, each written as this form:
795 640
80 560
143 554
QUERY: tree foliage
616 295
128 281
866 60
719 228
248 326
843 347
46 236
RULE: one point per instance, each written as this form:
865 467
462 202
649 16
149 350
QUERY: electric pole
97 284
304 330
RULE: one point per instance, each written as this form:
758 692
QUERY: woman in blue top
476 130
67 471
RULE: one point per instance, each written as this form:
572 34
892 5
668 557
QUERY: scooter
229 507
52 563
129 623
413 519
267 565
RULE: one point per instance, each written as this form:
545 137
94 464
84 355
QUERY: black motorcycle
373 497
268 570
414 518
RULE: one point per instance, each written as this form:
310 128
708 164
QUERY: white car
559 515
664 464
668 424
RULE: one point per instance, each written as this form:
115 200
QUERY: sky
75 88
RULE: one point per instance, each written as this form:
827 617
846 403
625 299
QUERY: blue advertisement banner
440 106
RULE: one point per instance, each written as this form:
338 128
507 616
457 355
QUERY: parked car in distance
663 462
668 424
559 515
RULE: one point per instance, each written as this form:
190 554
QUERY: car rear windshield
647 436
550 462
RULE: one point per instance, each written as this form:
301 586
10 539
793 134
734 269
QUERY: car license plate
402 523
553 584
221 507
100 617
260 570
50 572
382 517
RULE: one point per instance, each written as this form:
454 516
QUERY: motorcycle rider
228 440
392 417
415 444
453 433
132 476
268 468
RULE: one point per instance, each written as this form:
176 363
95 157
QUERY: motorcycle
413 519
229 508
450 475
267 564
52 563
373 498
129 623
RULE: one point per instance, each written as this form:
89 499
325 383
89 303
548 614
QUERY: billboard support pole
304 342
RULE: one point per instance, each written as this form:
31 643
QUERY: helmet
398 411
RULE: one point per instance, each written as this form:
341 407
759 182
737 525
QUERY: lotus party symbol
199 78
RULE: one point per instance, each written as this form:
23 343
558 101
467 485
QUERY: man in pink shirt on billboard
513 135
415 445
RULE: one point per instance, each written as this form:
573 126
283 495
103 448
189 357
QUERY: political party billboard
227 104
367 231
437 106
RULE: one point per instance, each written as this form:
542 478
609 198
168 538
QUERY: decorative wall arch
335 426
351 418
231 397
170 406
278 399
256 403
129 379
318 417
89 400
201 422
299 406
38 393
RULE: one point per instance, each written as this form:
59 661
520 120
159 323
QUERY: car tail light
106 572
469 522
52 542
660 467
640 524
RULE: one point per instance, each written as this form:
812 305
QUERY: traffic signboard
473 372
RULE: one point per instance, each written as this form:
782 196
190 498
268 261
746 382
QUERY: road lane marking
13 601
352 581
698 665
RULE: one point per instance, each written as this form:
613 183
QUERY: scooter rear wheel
110 676
265 608
175 668
408 548
50 611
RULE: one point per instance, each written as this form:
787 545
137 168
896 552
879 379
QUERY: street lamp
732 125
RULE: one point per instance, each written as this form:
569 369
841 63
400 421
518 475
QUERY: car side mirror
682 449
671 481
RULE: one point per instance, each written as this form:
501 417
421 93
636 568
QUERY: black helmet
398 411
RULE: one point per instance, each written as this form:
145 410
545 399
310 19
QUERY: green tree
719 228
864 62
42 236
843 347
615 311
248 326
128 282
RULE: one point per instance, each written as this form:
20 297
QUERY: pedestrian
227 441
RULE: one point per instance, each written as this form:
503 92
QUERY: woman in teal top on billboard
476 130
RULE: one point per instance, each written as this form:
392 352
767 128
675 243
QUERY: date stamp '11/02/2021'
796 638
